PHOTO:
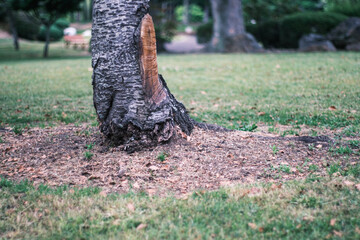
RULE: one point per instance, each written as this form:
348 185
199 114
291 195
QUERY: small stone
121 173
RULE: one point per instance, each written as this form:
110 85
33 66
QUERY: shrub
204 32
55 33
62 23
349 8
267 33
294 26
27 27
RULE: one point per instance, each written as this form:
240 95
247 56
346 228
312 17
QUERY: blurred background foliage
274 23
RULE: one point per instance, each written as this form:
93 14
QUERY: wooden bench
76 41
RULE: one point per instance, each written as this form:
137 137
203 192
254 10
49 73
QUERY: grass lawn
232 90
311 209
319 90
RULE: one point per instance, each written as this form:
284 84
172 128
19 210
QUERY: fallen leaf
93 177
261 229
308 218
357 230
151 192
136 185
230 156
298 226
328 236
339 234
141 226
332 108
252 225
261 113
349 183
357 186
72 191
103 193
203 92
254 192
332 222
131 207
153 168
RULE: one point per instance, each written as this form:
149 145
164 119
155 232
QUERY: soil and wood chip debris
76 155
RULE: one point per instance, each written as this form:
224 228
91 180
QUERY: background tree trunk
47 41
186 17
229 33
133 104
11 20
206 14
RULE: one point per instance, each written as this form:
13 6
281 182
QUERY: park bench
77 41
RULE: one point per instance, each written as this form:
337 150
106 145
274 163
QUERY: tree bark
132 101
47 41
229 33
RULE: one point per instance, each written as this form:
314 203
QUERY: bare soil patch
206 160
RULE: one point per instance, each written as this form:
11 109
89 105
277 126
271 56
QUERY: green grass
233 90
237 91
295 210
32 50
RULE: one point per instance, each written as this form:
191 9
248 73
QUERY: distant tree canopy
46 12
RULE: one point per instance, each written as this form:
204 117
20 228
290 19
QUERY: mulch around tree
206 160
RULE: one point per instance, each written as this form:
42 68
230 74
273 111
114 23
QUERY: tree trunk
133 104
47 41
186 12
10 16
206 16
229 33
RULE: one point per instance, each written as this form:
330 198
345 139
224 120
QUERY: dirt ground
206 160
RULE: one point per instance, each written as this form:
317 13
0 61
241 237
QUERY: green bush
55 33
294 26
267 33
196 14
27 27
349 8
62 23
204 32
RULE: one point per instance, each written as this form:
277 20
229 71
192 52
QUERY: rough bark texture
229 33
133 104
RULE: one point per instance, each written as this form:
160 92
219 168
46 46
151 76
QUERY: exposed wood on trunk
153 88
133 104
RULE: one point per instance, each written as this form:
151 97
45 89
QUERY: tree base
136 137
241 43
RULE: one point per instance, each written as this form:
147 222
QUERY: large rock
353 47
346 33
315 43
